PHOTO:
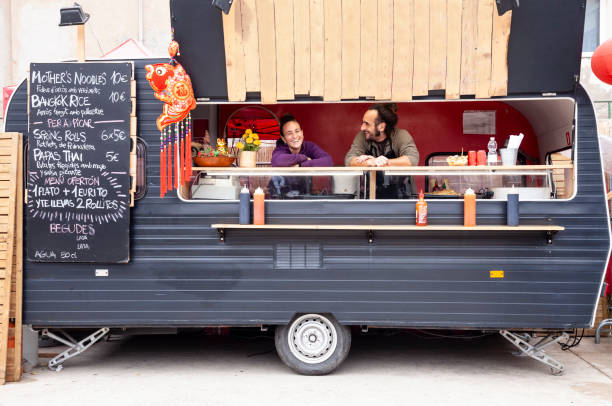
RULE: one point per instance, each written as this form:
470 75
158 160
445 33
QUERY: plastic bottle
469 208
258 207
421 210
512 208
245 206
492 154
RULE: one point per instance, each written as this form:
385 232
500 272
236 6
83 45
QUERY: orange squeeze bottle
469 208
258 207
421 211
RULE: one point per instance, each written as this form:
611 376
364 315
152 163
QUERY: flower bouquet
248 146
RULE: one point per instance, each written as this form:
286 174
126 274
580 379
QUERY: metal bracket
75 348
536 351
370 236
604 323
221 232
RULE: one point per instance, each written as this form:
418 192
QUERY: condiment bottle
258 207
469 208
421 210
245 206
512 208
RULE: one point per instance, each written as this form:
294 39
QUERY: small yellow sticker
496 274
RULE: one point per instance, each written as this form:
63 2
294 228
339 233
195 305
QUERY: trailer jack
536 351
74 348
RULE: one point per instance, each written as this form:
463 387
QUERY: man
379 143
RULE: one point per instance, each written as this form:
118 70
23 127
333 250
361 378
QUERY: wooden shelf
370 228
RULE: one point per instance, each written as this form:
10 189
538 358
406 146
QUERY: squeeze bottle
258 207
469 208
245 206
492 155
421 211
512 208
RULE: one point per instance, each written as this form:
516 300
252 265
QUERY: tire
313 344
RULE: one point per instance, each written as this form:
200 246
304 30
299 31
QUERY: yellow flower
254 135
257 142
248 131
239 145
249 140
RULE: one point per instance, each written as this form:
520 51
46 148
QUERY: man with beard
379 143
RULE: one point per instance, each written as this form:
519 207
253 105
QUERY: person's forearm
353 162
286 159
401 161
323 161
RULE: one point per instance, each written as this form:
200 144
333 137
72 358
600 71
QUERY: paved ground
389 369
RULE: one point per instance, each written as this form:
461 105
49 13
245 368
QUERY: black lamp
73 16
223 5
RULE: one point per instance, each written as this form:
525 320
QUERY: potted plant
248 146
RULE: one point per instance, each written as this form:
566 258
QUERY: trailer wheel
313 344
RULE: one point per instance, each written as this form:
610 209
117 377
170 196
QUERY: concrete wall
29 31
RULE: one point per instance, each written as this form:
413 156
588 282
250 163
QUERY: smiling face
372 130
293 136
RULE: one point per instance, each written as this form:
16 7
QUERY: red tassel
188 155
169 166
183 161
162 172
177 164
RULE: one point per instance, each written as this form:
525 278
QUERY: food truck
332 255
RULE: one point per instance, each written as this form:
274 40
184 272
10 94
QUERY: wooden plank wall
11 195
375 49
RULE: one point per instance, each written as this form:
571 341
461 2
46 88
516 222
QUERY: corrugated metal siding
180 274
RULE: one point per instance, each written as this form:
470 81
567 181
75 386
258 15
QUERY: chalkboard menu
78 207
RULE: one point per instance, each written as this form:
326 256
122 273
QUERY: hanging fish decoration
172 86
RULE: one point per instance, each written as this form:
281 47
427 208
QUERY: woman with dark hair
292 150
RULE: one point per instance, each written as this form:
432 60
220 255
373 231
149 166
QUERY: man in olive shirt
379 143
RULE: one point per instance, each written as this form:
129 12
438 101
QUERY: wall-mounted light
223 5
75 16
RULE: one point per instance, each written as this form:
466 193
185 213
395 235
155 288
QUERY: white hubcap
312 338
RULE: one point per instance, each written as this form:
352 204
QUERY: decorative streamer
172 85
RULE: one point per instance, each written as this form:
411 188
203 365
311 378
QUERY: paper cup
508 156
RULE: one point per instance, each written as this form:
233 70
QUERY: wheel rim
312 338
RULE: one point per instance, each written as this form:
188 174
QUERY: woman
292 150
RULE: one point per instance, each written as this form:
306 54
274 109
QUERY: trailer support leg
536 351
75 348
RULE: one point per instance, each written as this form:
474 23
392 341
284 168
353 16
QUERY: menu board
78 200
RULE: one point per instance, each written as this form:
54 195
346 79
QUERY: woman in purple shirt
292 150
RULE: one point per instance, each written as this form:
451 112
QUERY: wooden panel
469 36
453 49
499 53
403 49
250 45
317 47
420 81
350 49
14 371
234 54
369 52
285 53
483 59
384 67
301 38
437 44
333 50
267 50
8 142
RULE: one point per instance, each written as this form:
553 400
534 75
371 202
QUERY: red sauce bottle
421 210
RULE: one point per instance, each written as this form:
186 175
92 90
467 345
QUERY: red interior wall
435 126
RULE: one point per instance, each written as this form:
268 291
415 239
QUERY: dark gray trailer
313 284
